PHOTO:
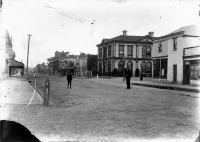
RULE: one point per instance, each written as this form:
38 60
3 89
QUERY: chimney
151 34
124 32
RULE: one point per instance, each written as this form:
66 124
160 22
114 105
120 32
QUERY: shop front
160 68
191 65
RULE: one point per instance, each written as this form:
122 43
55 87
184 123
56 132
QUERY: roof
128 39
190 30
15 63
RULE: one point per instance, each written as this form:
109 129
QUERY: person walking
69 79
128 78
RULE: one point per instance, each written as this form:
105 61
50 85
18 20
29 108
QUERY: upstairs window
146 52
130 51
121 51
100 52
174 44
160 47
109 50
104 52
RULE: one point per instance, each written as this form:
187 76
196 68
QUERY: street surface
103 110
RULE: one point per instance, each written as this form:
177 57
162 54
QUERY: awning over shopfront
14 63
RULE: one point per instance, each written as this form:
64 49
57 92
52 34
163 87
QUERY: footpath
163 84
16 90
156 83
15 96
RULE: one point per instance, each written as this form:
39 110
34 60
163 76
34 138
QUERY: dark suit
128 78
69 80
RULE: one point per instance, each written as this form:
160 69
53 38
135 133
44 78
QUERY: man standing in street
128 78
69 79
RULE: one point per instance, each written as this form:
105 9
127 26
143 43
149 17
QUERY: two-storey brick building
124 51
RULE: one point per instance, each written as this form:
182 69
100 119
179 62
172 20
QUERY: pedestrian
69 79
128 78
141 76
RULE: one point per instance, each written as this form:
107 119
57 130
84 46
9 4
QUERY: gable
146 39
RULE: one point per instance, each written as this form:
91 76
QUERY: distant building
42 68
82 62
78 64
92 64
69 64
176 56
61 55
124 51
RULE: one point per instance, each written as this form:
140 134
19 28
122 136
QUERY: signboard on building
192 51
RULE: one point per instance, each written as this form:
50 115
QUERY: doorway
174 73
186 74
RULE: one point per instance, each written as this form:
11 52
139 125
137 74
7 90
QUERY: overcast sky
79 25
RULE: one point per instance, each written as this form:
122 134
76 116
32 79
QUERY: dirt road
102 109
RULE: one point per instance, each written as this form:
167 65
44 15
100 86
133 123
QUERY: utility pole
29 36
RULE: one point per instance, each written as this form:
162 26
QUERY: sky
79 25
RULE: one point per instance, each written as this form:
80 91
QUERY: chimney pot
124 32
151 34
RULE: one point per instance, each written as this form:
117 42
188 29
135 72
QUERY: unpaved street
104 109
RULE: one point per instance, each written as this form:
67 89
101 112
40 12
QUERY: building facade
63 61
176 55
124 51
7 54
92 64
2 46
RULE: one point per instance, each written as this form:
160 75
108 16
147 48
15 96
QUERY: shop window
195 69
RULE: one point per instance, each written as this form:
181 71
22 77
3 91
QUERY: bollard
46 93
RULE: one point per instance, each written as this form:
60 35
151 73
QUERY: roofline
168 35
135 42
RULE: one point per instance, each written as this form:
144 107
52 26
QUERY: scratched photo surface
99 70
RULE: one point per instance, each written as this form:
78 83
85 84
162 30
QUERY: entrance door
186 76
174 73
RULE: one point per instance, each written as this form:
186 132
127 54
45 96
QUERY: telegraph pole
29 36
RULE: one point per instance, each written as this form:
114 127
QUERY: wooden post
46 93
